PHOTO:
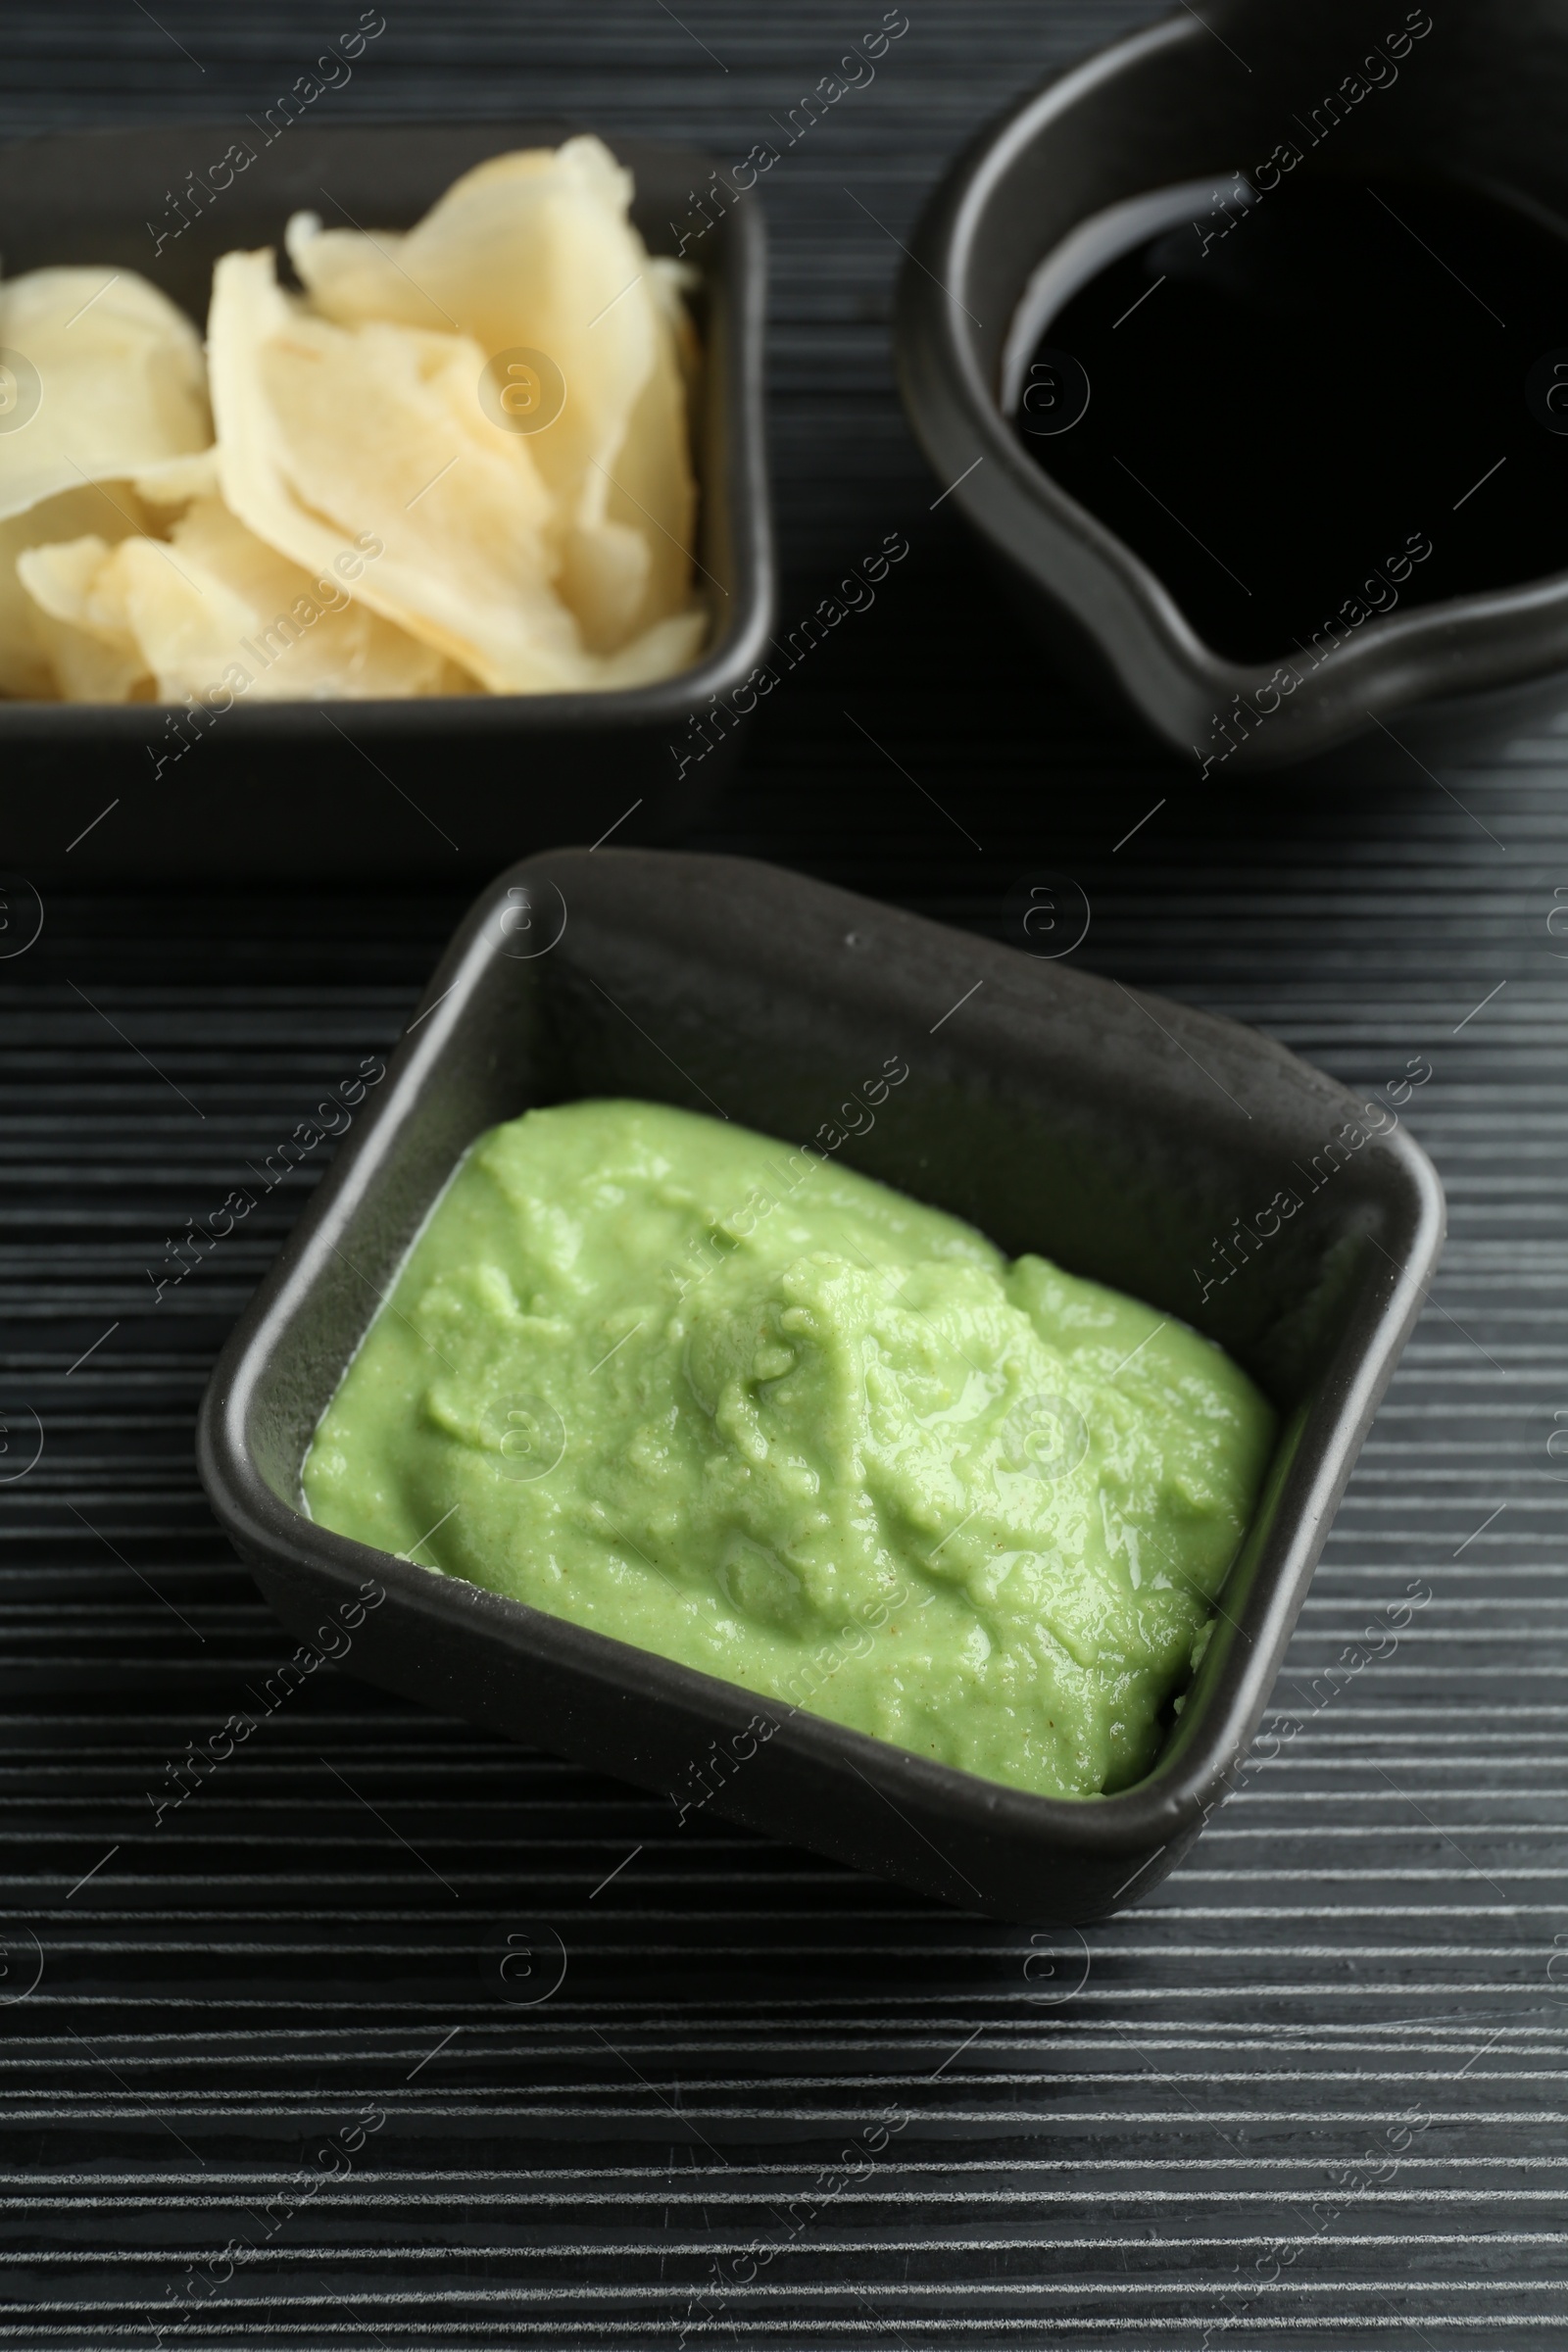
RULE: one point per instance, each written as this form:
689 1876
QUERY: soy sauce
1292 394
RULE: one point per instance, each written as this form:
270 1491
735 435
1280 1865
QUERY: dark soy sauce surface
1316 386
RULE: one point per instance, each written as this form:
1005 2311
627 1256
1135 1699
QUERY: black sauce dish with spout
1244 346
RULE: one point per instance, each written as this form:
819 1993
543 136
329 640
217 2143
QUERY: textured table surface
1312 2090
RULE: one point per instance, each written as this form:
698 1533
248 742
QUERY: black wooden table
263 2080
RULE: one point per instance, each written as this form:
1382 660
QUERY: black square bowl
1119 1134
455 784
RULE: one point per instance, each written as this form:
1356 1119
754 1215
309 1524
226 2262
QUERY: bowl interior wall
107 196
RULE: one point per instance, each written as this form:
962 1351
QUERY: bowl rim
1464 643
734 265
1189 1777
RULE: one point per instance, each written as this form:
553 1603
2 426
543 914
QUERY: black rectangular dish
457 784
1131 1140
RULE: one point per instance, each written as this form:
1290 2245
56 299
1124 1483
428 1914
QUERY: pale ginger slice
177 480
104 376
534 251
650 500
106 511
216 611
328 433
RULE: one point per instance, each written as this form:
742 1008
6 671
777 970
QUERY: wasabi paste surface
745 1407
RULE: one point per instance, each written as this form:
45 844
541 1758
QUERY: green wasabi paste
750 1410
